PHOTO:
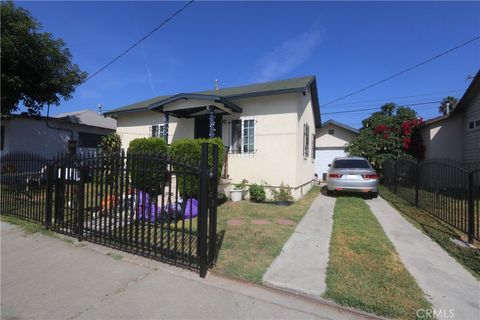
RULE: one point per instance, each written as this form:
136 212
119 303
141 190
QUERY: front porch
207 112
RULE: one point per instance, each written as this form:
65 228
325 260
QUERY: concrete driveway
302 265
49 278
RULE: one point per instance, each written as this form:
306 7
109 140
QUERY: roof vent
217 85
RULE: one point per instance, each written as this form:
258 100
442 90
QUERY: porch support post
211 112
166 121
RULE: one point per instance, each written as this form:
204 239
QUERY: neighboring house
331 142
269 128
456 135
49 137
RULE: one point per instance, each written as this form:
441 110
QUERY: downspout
72 144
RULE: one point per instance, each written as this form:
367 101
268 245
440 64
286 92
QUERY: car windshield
351 164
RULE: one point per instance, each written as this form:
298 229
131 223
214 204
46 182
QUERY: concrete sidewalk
445 282
44 277
302 264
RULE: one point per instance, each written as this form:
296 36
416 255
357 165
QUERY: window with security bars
157 131
242 136
248 136
313 146
306 142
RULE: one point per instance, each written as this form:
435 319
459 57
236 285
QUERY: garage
324 157
331 140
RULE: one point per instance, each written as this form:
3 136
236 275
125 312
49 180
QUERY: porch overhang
188 105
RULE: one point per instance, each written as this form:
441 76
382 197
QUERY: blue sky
346 45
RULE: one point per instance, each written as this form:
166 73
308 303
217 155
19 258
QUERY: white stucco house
456 135
269 128
331 141
50 136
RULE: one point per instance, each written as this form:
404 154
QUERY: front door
202 128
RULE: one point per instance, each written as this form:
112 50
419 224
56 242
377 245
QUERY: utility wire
398 97
139 41
378 108
403 71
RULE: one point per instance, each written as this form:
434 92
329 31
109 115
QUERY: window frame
243 121
253 135
160 130
314 146
306 142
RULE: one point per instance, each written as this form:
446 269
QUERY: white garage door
325 157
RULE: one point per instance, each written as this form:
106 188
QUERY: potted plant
236 194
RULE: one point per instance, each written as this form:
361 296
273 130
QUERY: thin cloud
289 55
145 59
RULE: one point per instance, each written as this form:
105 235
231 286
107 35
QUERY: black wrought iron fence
145 204
446 189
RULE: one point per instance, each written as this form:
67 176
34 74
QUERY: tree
36 68
447 105
388 134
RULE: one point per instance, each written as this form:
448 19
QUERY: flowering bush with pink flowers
389 133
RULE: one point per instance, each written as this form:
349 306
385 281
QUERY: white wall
134 125
278 138
274 161
444 139
340 138
305 166
33 135
471 137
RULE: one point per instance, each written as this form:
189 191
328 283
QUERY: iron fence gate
446 189
145 204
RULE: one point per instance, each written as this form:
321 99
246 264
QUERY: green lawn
437 231
365 271
248 249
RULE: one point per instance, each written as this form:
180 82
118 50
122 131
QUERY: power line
395 98
164 22
378 108
403 71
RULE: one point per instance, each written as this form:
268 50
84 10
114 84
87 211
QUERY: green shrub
283 193
188 151
257 193
153 146
148 164
110 147
111 143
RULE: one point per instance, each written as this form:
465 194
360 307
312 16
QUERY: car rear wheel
330 192
374 195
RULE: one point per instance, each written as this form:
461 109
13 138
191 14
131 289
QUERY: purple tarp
147 212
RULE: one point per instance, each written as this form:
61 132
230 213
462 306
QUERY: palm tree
447 105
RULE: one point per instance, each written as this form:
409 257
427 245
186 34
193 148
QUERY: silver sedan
353 175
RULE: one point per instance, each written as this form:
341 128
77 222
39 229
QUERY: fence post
213 207
202 212
81 202
417 171
471 212
49 189
395 176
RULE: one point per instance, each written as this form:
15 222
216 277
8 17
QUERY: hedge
147 171
188 151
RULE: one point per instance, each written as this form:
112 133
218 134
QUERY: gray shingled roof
273 87
344 126
89 118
